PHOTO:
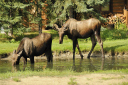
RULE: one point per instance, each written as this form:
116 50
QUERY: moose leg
77 45
100 42
74 48
49 56
25 60
32 59
93 45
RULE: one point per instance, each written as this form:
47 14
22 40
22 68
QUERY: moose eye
13 58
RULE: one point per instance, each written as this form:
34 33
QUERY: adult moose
28 48
81 29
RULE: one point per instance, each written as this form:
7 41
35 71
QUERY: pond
93 64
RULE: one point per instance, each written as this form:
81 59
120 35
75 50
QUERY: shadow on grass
32 35
5 38
112 49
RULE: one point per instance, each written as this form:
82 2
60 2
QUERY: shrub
120 33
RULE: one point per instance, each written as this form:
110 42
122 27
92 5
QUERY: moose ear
55 26
20 53
66 28
14 51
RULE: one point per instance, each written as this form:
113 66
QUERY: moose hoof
103 56
88 57
82 56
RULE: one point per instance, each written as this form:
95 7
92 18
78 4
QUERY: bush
120 33
12 41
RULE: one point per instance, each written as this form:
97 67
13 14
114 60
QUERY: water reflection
102 63
79 65
93 64
32 67
90 66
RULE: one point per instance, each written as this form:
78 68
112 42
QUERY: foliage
61 10
120 33
114 34
35 15
15 15
11 14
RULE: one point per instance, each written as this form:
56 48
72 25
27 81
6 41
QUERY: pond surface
94 64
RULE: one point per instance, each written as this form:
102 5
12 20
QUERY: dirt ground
86 79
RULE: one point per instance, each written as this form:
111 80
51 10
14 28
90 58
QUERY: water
94 64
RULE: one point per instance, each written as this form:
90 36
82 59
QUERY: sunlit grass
109 46
16 79
46 72
119 45
7 47
52 73
72 81
109 78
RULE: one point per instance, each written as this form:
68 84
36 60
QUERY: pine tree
11 14
80 9
36 16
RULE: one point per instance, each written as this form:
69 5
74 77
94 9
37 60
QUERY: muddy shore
69 55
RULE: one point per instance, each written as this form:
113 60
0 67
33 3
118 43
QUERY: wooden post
126 15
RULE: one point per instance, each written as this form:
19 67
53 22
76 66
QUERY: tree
15 12
11 14
80 9
36 16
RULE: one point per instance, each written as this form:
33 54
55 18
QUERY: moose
81 29
28 48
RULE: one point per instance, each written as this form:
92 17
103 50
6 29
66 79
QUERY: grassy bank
112 46
52 73
85 46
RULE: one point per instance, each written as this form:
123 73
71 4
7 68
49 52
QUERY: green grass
120 71
52 73
7 45
106 78
16 79
72 81
123 83
109 45
46 72
119 45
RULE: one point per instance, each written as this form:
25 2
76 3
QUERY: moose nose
13 64
60 42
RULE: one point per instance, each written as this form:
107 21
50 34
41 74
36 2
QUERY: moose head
61 32
15 57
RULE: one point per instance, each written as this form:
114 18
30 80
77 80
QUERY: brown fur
81 29
28 48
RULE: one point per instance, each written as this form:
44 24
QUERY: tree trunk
40 28
71 15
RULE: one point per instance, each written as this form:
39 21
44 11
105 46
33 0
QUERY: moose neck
68 34
66 24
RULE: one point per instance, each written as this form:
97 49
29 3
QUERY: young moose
28 48
81 29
